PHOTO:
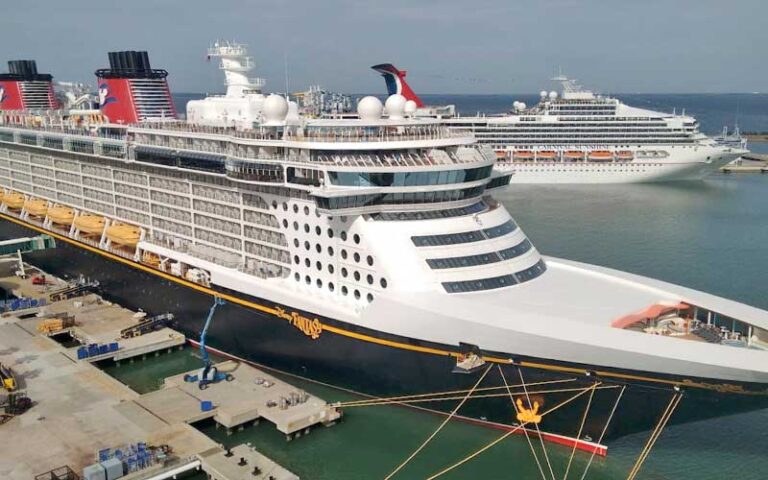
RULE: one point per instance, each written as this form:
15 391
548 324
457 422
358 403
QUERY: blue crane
209 373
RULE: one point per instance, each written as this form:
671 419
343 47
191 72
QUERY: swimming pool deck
78 409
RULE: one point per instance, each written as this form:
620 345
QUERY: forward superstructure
368 251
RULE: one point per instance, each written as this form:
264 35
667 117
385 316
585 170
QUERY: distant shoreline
756 137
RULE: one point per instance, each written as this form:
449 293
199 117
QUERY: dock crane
209 373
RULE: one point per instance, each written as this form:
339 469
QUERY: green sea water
710 235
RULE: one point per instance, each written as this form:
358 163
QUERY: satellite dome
516 105
522 105
543 93
411 107
395 106
552 95
369 108
275 109
293 112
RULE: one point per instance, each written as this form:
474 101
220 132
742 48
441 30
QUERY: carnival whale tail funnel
396 83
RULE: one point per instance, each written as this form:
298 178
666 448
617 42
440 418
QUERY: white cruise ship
577 136
367 252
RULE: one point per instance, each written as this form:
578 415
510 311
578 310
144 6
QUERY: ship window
369 279
285 206
318 248
297 276
296 259
306 228
357 294
330 251
369 297
319 266
330 268
307 280
344 254
330 286
307 262
464 237
285 223
357 276
306 210
295 225
318 231
344 289
357 257
319 283
383 283
306 245
344 235
356 238
330 233
295 208
296 242
369 259
274 204
480 259
344 272
531 272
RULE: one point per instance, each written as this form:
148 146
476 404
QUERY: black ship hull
379 364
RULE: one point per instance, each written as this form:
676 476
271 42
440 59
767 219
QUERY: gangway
26 244
147 325
76 290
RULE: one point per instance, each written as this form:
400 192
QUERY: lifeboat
14 200
546 155
150 258
124 234
36 207
501 155
61 215
92 224
574 155
523 155
625 155
600 156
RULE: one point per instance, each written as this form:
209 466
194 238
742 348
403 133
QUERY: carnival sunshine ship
366 252
580 137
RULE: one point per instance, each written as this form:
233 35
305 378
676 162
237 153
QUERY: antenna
285 60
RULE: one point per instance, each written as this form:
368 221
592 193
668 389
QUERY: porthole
306 210
343 219
383 283
295 208
330 268
318 231
297 276
274 204
296 259
307 263
306 228
330 233
344 272
307 280
317 214
285 223
319 266
344 290
344 235
285 206
369 297
344 254
357 294
296 242
330 251
306 245
369 259
319 283
369 279
318 248
357 257
356 238
295 225
330 286
357 276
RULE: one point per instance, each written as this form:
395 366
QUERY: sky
449 46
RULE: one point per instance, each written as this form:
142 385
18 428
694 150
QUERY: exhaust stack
396 83
23 88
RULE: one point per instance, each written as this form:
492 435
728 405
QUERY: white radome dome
395 106
552 95
516 105
522 105
293 112
369 108
275 109
411 107
543 93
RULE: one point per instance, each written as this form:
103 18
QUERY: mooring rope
507 434
581 429
538 431
525 430
674 401
605 429
445 422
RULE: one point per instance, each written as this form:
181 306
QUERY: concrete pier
78 409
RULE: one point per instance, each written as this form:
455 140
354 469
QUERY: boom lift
209 373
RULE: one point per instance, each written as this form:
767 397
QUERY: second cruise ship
577 136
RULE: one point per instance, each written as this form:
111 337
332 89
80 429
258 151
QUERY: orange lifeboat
91 224
150 258
61 215
36 207
574 155
523 155
14 200
625 155
546 155
600 156
124 234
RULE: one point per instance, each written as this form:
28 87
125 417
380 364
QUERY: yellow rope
525 430
581 429
605 429
674 401
356 403
445 422
507 434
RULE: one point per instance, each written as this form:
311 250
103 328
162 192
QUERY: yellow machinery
7 379
61 215
37 207
14 200
54 325
124 234
91 224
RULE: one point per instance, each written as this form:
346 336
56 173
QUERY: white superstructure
580 137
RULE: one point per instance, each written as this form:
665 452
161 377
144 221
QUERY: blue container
15 304
103 349
105 454
114 346
93 350
82 353
206 406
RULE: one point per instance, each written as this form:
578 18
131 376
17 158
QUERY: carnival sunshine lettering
310 327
